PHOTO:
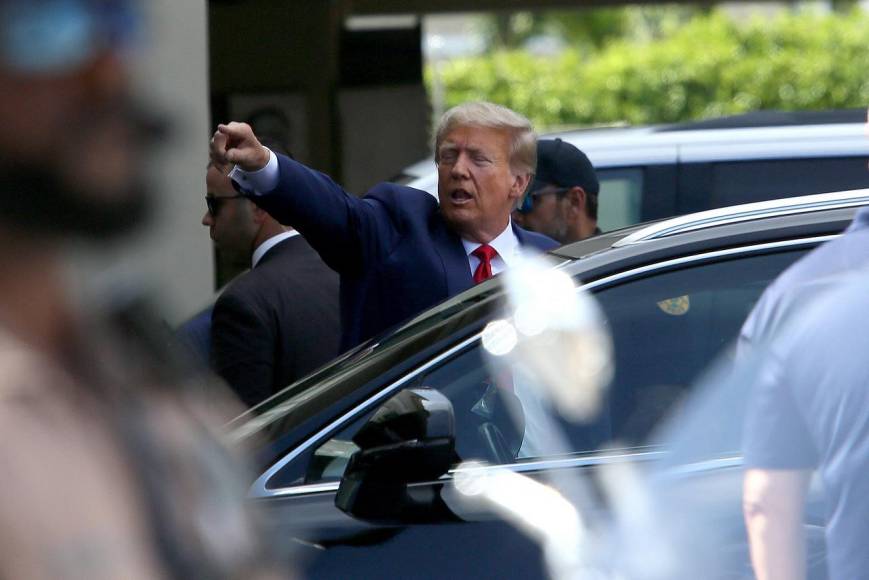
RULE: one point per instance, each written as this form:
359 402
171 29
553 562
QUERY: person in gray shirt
807 408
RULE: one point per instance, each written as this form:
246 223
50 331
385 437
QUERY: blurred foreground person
808 409
279 321
110 469
562 200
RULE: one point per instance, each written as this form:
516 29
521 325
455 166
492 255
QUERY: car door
668 321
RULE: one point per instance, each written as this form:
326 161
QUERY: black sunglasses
528 202
213 202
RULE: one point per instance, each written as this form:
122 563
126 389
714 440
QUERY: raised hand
235 143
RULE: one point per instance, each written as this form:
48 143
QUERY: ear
576 199
520 184
259 215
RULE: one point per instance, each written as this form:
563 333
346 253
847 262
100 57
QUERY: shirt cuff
257 182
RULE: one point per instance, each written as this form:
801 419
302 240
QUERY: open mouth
460 196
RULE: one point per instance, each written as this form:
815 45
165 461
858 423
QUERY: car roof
729 215
773 119
676 238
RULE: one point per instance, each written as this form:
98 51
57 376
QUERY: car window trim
752 211
531 466
260 490
688 470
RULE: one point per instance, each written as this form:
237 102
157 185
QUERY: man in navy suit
397 249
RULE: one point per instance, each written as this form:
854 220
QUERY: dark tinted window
667 328
630 195
710 185
485 429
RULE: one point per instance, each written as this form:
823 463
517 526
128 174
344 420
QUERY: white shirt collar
506 244
269 244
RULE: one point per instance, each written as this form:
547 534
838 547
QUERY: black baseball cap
561 164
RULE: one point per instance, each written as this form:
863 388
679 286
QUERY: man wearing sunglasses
562 201
111 467
279 321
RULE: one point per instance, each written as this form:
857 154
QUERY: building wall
264 47
353 98
356 99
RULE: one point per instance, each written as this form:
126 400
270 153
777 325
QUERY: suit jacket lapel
520 233
452 253
527 245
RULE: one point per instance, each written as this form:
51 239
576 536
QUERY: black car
674 294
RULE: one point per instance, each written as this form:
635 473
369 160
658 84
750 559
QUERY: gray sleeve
776 435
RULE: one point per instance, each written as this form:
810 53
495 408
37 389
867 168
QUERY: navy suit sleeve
242 349
349 233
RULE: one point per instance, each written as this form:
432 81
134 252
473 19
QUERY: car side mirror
409 440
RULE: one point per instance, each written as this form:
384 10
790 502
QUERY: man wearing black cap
562 201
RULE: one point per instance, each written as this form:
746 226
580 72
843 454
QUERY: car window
620 198
482 404
711 185
666 329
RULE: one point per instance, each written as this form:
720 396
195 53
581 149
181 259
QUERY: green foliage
584 28
509 30
708 67
588 28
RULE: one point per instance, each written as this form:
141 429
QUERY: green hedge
710 67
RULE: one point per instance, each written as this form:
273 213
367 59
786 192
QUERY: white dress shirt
267 245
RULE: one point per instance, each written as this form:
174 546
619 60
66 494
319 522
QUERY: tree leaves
710 66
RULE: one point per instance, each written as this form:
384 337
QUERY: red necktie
485 253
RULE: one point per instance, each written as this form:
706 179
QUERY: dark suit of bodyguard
276 323
279 321
398 251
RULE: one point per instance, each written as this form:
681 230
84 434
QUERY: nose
207 219
459 169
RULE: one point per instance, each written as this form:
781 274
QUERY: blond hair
523 139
